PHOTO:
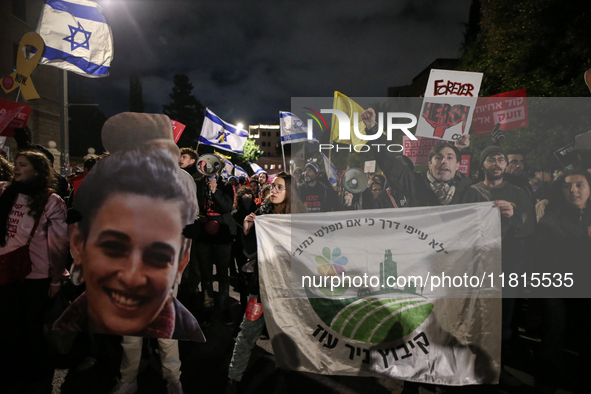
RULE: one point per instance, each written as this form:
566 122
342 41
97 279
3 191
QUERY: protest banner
13 116
464 166
396 324
418 151
509 109
177 130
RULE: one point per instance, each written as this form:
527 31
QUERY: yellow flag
221 154
348 106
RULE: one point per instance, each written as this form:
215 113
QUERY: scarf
7 200
444 191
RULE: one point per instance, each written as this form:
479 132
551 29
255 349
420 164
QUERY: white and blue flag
227 170
293 129
333 175
256 168
223 135
238 172
77 37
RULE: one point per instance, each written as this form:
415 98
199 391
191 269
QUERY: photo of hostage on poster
126 235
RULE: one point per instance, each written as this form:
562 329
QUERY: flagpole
329 159
283 153
65 113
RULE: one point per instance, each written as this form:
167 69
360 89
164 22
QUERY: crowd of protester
548 226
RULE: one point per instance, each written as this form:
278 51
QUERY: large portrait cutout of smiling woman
127 241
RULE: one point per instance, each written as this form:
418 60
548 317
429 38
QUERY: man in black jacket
441 185
316 196
214 245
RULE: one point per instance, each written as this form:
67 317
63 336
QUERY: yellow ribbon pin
24 67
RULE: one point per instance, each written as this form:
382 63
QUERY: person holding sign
443 184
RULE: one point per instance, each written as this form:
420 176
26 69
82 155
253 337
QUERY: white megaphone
354 181
209 164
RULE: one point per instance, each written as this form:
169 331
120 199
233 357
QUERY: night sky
246 59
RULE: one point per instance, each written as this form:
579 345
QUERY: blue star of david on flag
72 38
222 136
77 37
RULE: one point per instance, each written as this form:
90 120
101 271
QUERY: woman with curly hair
31 213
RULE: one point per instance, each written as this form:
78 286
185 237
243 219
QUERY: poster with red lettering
448 107
464 167
12 116
418 151
509 109
177 130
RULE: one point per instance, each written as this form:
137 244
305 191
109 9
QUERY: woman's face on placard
130 261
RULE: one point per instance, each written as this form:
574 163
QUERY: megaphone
209 164
354 181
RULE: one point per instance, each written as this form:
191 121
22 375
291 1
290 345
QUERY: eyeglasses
279 188
493 160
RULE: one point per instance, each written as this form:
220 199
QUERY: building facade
268 138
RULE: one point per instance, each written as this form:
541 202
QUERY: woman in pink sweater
25 202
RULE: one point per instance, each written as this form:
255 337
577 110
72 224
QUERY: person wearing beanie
316 196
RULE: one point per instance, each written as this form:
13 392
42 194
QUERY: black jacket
415 186
223 203
564 245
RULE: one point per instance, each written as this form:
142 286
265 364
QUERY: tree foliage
543 46
86 123
251 154
185 108
136 99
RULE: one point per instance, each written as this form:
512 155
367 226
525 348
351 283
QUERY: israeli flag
238 172
227 170
331 172
256 168
77 37
223 135
293 129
